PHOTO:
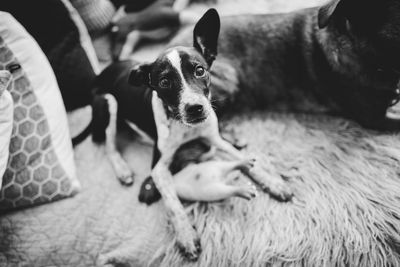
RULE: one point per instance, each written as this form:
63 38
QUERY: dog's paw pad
281 192
248 164
190 253
247 191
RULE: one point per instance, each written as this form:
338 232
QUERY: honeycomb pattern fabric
34 174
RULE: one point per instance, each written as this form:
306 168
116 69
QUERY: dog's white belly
200 182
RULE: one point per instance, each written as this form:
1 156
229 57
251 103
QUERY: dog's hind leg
210 181
275 186
226 147
121 168
226 167
215 191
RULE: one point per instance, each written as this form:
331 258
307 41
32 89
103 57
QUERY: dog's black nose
194 110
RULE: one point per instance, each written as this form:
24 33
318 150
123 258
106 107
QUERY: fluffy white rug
346 210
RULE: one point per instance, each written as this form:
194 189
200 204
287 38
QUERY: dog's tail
83 135
99 123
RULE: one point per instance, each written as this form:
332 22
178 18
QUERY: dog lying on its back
198 176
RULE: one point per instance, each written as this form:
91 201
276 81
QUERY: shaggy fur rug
346 209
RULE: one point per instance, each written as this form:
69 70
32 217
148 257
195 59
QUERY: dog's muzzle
195 113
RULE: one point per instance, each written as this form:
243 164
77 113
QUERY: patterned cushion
6 120
40 167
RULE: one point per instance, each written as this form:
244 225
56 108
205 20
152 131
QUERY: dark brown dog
342 58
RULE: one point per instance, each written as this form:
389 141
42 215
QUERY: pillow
40 166
6 120
63 37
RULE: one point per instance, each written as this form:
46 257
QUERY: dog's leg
210 181
275 186
209 154
221 191
246 191
186 236
121 168
227 148
243 165
269 182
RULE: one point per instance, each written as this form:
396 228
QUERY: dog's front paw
279 190
188 244
271 183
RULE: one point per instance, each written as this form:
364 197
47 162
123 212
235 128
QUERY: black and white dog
170 100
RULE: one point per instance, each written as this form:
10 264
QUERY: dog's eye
199 71
165 83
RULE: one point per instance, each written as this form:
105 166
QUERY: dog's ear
205 35
140 75
326 12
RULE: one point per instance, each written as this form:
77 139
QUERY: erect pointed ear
205 35
140 75
326 12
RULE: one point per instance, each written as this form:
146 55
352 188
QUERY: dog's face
181 78
180 75
376 21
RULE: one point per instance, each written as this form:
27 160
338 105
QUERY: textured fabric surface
96 14
345 209
40 167
61 34
6 120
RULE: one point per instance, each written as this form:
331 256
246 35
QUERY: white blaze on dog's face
192 81
180 75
